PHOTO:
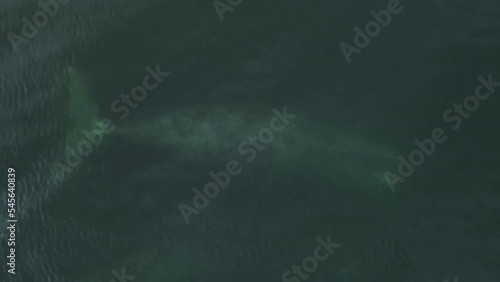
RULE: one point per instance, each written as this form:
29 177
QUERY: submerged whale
115 213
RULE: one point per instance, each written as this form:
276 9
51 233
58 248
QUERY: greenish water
113 112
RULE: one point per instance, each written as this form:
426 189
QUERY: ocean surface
259 141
